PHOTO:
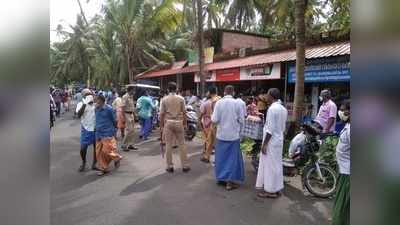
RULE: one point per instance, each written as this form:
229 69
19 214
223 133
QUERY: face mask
342 116
321 98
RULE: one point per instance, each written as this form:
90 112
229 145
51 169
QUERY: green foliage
131 36
246 146
339 16
327 151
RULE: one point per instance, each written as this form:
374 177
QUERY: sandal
231 186
204 160
267 195
82 168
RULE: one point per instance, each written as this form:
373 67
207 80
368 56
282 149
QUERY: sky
64 12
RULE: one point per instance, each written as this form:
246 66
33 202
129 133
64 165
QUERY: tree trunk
128 61
298 107
183 24
194 23
82 13
210 14
201 47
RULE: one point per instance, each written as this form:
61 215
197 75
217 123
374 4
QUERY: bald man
327 112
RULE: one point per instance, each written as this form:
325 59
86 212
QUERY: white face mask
320 98
342 116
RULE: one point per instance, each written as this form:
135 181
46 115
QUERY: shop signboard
193 57
228 74
209 55
265 72
333 69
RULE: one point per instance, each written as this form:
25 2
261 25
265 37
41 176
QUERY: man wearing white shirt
229 118
86 112
270 170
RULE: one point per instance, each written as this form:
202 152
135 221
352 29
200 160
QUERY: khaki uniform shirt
261 104
173 106
128 104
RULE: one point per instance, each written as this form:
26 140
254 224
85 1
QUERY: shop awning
320 51
175 69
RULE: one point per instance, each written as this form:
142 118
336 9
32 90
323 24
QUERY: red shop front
223 77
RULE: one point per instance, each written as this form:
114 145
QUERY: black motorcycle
317 176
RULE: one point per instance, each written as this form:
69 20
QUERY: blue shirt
229 116
105 122
145 106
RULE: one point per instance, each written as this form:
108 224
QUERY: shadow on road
70 183
147 183
305 206
143 184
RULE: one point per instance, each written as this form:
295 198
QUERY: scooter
192 121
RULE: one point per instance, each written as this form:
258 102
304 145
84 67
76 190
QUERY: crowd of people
222 119
223 122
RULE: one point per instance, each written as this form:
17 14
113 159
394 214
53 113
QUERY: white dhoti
270 169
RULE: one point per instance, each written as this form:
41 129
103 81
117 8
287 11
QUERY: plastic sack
296 142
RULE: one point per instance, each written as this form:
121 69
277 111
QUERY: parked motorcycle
192 121
317 176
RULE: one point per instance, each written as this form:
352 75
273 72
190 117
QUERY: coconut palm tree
200 40
300 10
70 59
241 14
140 26
278 17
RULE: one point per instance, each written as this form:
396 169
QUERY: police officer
173 125
128 106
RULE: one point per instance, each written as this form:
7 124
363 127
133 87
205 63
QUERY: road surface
140 192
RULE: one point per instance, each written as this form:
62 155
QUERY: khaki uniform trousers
174 133
129 130
210 141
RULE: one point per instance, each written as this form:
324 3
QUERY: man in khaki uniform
173 125
128 106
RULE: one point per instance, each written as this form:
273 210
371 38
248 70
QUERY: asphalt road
140 192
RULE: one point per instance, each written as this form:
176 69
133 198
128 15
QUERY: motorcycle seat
288 163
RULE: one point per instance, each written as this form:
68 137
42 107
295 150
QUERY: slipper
102 173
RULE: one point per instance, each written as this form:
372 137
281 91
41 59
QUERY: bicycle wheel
320 187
